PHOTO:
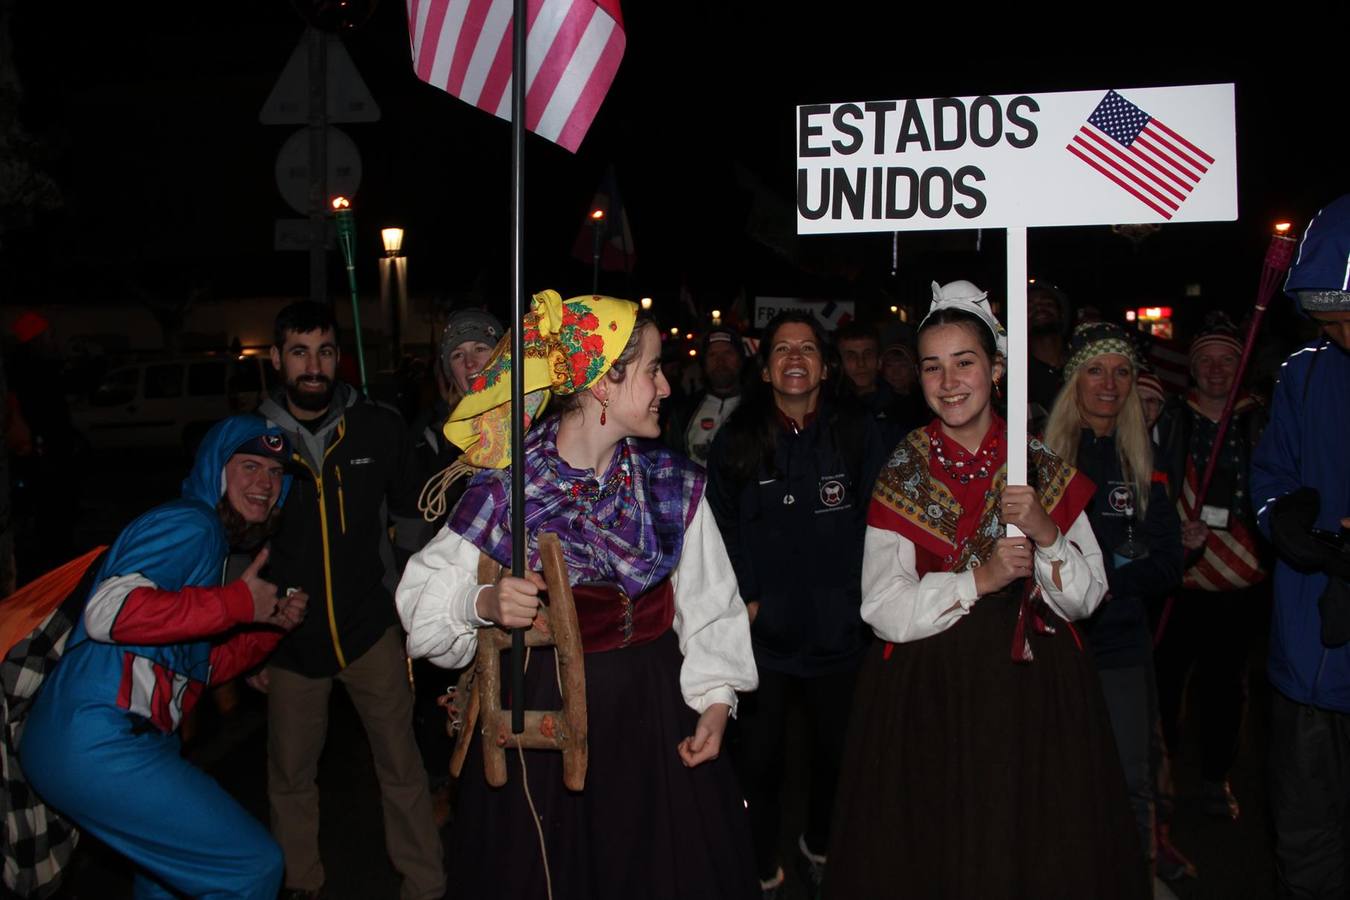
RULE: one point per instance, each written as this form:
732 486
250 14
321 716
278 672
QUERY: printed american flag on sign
1140 154
572 51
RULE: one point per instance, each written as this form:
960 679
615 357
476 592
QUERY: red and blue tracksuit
100 743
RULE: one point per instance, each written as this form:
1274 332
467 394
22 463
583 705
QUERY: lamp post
394 267
346 234
597 228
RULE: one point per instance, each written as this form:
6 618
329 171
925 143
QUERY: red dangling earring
604 405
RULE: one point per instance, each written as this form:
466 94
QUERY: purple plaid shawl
631 538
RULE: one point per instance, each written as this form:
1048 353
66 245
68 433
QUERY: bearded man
352 460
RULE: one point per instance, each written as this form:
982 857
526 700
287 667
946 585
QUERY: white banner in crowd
831 313
1102 157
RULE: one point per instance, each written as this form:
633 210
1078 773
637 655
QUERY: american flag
573 48
1140 154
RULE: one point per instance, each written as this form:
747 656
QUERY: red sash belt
610 620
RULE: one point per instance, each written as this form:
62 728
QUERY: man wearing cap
1301 486
695 421
101 745
351 458
1211 623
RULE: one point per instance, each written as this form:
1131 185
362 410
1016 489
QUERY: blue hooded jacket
176 545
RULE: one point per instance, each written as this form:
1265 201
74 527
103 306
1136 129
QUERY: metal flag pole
518 21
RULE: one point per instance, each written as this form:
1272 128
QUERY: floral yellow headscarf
569 346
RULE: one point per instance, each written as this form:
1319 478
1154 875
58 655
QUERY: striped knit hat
1148 385
1218 331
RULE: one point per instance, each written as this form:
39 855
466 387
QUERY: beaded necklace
965 471
588 494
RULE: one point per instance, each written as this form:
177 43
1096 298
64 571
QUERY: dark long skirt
969 775
644 827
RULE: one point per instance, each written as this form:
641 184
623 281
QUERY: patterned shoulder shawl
910 501
627 528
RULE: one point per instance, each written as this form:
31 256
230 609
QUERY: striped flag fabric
1231 560
1140 154
573 49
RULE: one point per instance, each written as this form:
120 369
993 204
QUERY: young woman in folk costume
980 761
665 634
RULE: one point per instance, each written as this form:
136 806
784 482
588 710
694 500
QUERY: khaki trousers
297 719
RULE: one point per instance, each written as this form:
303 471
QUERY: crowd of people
994 679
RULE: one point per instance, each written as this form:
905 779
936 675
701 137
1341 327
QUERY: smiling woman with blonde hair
1121 401
1098 422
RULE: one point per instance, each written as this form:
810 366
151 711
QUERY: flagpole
518 20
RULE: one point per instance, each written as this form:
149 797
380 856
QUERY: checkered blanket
38 842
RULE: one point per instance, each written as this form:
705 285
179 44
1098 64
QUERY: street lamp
394 310
716 317
646 302
597 228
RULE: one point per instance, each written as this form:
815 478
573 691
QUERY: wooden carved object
560 729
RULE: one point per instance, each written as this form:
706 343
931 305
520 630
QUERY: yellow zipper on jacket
323 532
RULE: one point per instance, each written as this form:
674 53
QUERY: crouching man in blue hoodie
100 744
1301 486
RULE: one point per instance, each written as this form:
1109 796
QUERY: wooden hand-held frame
564 729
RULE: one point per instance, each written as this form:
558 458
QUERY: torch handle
1277 260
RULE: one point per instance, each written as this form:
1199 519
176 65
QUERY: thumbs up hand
270 607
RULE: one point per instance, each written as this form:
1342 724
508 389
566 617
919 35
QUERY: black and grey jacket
334 537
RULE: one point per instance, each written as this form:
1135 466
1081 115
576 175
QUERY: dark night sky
148 119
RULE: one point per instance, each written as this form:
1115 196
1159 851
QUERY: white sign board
830 313
1100 157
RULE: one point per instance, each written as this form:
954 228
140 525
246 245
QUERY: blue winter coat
1307 443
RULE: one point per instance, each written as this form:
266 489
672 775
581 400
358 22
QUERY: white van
170 403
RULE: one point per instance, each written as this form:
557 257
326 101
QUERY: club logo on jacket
1121 499
831 492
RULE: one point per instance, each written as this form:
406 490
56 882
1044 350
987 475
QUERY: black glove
1334 607
1291 523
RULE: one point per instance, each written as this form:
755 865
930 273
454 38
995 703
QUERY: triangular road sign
349 100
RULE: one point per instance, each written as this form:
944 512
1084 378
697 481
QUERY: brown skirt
969 775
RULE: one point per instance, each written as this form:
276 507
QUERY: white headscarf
968 298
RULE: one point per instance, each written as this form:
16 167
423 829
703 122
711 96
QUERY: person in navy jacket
1301 486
